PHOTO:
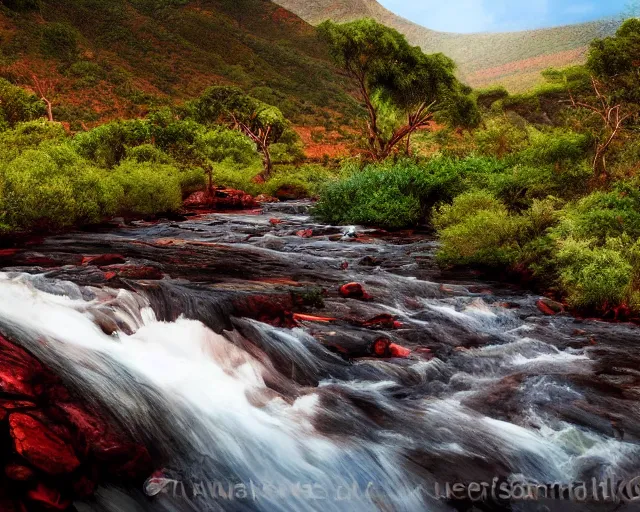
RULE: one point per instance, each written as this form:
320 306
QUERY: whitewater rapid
225 412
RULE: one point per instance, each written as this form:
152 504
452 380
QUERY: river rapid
223 344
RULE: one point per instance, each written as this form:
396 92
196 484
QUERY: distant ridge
512 59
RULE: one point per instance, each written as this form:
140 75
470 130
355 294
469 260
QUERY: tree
391 74
613 117
616 62
264 124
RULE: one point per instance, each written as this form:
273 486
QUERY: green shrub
554 146
192 180
392 195
55 188
17 105
107 144
148 188
88 73
28 135
148 153
309 180
477 229
60 40
593 277
223 144
500 137
603 215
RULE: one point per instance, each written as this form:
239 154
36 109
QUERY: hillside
512 59
101 59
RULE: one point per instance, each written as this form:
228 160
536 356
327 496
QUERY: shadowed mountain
512 59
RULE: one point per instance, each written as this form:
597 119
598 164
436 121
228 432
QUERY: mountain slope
513 59
102 59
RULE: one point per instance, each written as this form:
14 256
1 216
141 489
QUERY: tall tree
389 72
264 124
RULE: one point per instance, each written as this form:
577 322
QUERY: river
222 342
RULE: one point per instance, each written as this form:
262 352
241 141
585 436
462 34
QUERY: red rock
19 472
104 260
383 321
84 487
384 348
263 198
550 307
93 432
399 351
12 405
39 445
354 291
221 198
48 498
110 275
311 318
275 222
305 233
380 348
135 272
268 308
7 253
136 464
16 377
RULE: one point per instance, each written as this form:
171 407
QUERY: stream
222 342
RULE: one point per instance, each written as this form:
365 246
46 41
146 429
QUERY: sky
503 15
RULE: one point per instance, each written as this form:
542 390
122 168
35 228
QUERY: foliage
148 188
391 74
107 144
55 188
28 135
262 123
60 40
593 277
17 105
477 229
614 60
392 195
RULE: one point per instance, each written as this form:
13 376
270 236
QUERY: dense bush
478 229
55 188
29 135
594 277
17 105
60 40
392 195
148 188
107 144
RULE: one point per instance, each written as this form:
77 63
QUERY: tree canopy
264 124
616 62
388 70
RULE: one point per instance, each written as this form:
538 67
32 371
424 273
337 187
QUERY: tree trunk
49 109
267 164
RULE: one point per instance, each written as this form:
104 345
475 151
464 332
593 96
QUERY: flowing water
244 415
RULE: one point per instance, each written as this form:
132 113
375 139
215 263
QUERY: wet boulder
354 291
550 307
45 450
104 260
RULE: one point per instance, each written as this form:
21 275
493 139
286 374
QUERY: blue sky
502 15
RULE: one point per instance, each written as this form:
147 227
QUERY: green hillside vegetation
98 60
513 59
545 190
